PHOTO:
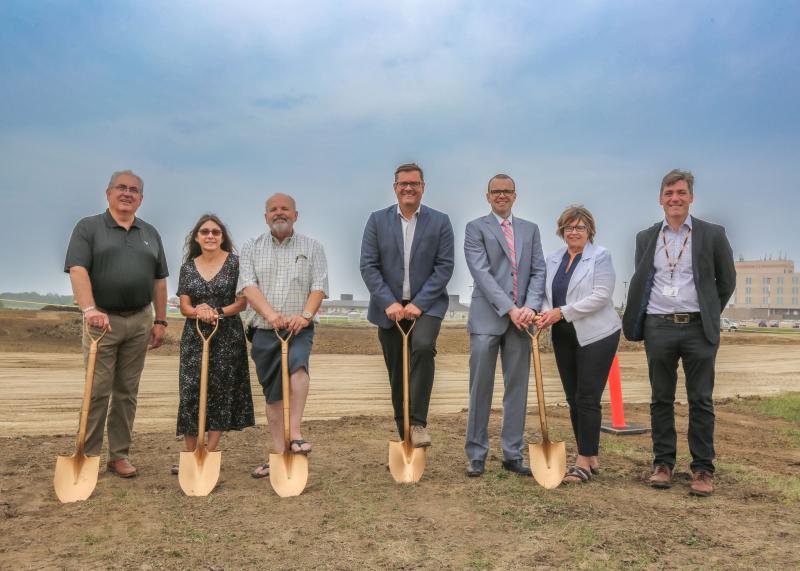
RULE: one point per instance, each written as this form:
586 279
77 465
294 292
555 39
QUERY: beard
280 226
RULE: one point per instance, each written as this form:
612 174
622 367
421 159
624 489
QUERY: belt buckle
681 317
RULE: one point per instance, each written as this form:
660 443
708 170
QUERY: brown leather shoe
702 484
661 477
420 437
122 467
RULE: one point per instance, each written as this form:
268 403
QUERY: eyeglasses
121 188
410 184
212 231
578 228
502 192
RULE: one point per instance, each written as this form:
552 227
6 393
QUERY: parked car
726 324
762 323
796 324
774 323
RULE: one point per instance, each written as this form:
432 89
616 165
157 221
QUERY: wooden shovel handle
406 391
285 387
537 373
87 386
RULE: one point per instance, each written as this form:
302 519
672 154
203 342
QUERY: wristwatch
307 315
160 322
220 311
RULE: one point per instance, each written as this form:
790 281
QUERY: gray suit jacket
431 263
714 277
489 262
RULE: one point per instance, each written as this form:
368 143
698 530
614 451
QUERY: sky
218 105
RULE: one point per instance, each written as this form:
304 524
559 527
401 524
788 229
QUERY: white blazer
589 306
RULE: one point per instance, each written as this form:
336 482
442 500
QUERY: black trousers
422 346
665 343
584 373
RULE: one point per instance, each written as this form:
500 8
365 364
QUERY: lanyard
670 262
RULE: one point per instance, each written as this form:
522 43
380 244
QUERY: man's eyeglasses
212 231
578 228
501 192
410 184
121 188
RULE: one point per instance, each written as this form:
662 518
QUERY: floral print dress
230 402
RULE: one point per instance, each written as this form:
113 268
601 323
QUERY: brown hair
676 175
499 176
191 249
409 167
576 212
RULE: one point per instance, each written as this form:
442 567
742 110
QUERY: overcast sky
217 105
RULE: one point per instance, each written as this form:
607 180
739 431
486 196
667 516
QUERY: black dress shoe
476 468
517 466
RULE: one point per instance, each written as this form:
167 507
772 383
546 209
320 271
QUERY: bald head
281 196
281 215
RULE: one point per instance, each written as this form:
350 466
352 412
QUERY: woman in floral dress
207 290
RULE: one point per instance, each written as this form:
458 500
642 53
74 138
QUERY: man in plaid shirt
284 277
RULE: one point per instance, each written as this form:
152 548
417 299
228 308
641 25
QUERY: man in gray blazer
683 278
504 256
406 262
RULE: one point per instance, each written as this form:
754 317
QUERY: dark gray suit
430 268
694 343
490 327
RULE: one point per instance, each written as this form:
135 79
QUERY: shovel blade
75 477
549 463
406 464
288 474
198 472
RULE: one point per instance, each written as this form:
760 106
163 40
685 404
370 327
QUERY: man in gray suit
406 262
504 256
683 278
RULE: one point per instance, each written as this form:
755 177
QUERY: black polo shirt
122 264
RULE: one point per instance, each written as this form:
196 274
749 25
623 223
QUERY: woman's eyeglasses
212 231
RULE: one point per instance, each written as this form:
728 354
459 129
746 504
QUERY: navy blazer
431 262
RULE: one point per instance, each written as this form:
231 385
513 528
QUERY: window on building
748 291
780 290
765 300
795 279
780 279
765 281
748 300
794 301
795 290
749 280
779 301
765 290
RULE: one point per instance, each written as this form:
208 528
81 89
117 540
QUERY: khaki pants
120 360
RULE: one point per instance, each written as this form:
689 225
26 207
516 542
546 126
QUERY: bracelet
88 309
160 322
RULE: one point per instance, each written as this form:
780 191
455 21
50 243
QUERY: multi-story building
765 289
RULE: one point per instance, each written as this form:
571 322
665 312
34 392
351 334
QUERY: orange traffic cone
618 424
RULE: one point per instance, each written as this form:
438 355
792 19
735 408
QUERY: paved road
41 392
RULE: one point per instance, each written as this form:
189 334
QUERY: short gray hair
676 175
500 176
118 174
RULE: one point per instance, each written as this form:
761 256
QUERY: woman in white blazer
585 330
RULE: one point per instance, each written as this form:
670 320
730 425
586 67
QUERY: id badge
670 291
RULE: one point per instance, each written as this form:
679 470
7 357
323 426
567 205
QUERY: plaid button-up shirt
285 272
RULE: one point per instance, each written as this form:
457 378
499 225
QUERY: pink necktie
509 233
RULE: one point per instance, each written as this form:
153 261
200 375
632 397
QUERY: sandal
594 471
261 471
581 474
300 450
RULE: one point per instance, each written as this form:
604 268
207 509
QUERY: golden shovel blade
198 472
288 473
75 477
548 463
406 464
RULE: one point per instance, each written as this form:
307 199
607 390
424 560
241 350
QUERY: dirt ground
353 516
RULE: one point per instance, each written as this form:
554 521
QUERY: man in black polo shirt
117 268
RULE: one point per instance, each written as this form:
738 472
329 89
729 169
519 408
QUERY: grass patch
785 406
619 447
91 539
792 435
786 487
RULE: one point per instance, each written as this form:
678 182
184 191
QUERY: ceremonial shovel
76 475
198 471
288 472
548 459
406 463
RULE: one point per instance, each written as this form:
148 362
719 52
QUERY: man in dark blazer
504 256
406 262
684 277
